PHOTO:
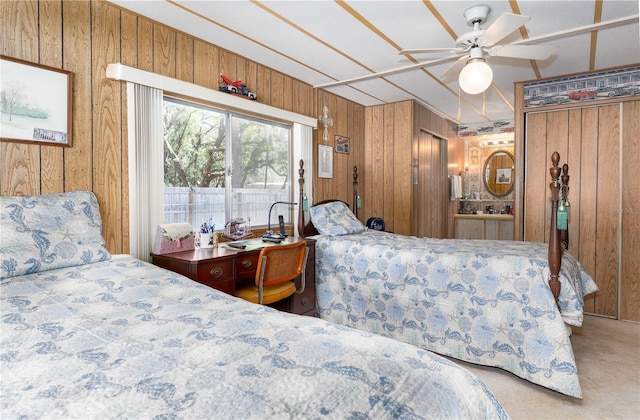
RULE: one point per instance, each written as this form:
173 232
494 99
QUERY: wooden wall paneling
588 176
342 173
371 116
557 141
573 159
251 78
128 56
146 50
107 132
228 66
128 39
20 170
76 41
607 252
205 64
241 69
277 90
384 163
519 152
537 163
287 100
630 213
164 50
403 135
51 157
184 57
263 84
356 128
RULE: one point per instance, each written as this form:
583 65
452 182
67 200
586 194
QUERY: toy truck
236 87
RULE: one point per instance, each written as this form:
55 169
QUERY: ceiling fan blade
530 52
429 50
503 26
454 69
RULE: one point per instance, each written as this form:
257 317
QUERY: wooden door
430 186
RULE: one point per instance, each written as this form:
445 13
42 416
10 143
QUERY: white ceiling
325 42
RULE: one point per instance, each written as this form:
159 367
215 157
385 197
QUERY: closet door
430 192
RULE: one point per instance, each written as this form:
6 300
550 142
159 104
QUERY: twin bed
86 334
89 334
506 304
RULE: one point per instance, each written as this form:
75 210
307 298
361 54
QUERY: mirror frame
484 172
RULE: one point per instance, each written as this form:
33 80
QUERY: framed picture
342 144
35 104
503 176
325 161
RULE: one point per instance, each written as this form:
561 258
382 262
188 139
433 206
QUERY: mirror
499 173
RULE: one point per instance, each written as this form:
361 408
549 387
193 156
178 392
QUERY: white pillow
335 219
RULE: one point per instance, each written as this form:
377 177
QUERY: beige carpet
608 358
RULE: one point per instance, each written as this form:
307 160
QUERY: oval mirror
498 173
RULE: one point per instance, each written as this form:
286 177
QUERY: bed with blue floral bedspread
484 302
86 334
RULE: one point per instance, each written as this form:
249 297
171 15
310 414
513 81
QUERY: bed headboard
306 228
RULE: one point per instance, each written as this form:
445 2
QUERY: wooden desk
223 267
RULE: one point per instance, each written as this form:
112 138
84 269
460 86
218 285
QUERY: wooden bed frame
558 239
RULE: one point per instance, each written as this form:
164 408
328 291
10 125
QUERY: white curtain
146 172
302 149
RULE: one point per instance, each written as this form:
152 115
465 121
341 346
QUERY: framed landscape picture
35 103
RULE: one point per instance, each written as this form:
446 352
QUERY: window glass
220 166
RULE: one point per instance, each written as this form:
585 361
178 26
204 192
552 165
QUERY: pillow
45 232
335 219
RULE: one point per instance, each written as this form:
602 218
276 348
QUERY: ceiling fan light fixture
475 77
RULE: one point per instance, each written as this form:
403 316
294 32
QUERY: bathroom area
486 207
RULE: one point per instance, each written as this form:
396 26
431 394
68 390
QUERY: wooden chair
278 267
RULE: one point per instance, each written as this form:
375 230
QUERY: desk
223 267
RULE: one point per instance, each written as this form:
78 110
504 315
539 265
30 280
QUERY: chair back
281 263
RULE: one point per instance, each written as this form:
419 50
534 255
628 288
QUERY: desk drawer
218 275
246 265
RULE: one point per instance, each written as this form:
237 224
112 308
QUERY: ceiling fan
475 75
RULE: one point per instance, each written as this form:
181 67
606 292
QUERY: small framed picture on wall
342 144
325 161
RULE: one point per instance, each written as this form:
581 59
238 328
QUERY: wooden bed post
564 234
355 190
555 250
301 200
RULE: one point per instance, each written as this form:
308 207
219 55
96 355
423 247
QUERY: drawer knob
216 272
246 263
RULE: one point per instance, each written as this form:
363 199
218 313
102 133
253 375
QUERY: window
220 166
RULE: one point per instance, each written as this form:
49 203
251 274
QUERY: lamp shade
475 77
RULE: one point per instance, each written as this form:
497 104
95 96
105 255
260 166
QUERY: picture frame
503 176
36 103
342 144
325 161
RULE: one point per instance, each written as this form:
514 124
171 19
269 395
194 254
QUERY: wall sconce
326 121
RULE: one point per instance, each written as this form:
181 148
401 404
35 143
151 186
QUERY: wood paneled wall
601 146
348 121
392 135
85 36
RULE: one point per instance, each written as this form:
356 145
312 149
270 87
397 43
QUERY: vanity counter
484 216
484 226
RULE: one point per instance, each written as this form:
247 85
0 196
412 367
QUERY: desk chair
278 267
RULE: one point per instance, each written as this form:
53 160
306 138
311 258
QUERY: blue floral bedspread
485 302
124 339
